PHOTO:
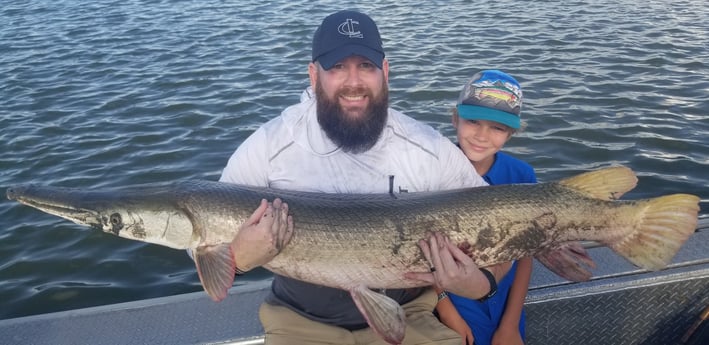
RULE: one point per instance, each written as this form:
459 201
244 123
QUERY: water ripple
107 93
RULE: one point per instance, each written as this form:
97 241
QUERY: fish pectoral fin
216 269
569 261
382 313
605 184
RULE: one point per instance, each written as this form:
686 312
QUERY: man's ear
385 69
313 74
454 119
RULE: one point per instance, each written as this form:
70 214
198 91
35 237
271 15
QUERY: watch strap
493 285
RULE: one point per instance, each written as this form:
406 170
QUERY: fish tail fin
607 184
666 223
216 269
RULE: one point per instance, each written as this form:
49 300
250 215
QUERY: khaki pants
285 327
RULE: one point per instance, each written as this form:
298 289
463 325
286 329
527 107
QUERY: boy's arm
508 331
450 317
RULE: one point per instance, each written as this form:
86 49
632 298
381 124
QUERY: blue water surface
111 93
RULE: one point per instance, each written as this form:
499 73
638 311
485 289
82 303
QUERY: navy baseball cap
346 33
491 95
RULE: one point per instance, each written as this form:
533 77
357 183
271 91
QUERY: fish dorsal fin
607 184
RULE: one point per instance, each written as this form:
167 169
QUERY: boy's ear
510 133
454 119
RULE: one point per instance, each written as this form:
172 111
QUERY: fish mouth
54 202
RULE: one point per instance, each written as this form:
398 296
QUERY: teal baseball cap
491 95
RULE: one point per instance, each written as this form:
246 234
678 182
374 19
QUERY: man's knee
283 326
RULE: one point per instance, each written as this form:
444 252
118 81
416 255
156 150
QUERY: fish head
137 214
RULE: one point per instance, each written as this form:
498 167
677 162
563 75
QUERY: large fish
364 242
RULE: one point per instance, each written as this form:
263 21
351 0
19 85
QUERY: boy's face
481 139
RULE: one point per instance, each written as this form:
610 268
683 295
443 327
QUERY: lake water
110 93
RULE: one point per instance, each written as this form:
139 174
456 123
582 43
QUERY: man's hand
451 269
262 236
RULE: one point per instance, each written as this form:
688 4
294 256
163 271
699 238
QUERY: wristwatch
493 285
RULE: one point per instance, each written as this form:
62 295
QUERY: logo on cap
347 33
497 90
347 28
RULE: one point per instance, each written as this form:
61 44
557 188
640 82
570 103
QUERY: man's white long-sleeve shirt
292 152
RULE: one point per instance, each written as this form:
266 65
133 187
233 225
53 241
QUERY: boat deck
619 305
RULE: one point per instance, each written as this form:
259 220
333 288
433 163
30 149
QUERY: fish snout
14 192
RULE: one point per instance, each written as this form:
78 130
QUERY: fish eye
116 219
116 222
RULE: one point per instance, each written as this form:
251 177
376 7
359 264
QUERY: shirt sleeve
456 170
248 165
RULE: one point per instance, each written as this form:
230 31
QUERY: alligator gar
362 242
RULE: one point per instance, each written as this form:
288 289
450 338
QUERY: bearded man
346 139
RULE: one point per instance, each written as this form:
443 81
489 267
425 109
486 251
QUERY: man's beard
353 134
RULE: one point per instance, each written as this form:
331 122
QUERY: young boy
486 116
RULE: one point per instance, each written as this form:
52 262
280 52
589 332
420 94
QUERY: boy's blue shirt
507 169
484 317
